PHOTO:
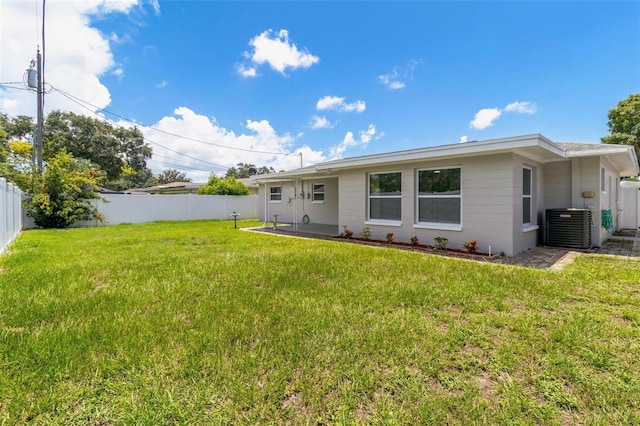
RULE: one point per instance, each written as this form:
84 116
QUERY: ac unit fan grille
568 228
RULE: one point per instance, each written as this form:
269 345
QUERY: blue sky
217 83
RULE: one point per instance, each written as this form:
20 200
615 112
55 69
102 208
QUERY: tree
16 154
64 192
18 166
120 153
624 123
171 175
226 186
243 170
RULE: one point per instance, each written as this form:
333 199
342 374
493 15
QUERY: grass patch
200 323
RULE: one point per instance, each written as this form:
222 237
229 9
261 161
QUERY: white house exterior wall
557 185
488 203
295 202
525 238
325 212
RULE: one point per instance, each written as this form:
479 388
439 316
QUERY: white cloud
463 139
162 84
77 54
521 107
349 141
260 145
336 103
278 52
118 72
487 116
320 123
396 78
247 71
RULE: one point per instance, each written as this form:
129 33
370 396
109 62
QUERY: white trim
438 226
529 228
528 196
397 223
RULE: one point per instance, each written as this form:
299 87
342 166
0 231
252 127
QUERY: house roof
535 147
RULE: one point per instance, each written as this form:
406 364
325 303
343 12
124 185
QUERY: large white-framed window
385 196
317 195
275 194
439 201
527 196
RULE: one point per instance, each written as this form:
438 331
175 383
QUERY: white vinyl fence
10 213
128 208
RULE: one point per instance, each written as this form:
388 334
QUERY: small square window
318 192
275 193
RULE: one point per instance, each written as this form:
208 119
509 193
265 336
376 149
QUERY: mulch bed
423 248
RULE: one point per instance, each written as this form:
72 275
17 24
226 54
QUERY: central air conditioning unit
568 228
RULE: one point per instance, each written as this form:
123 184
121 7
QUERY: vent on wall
568 228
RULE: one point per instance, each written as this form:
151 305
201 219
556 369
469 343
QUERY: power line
69 96
144 137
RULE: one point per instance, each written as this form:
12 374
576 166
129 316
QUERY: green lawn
200 323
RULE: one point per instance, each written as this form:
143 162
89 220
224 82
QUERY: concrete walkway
624 243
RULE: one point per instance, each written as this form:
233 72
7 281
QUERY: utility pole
39 139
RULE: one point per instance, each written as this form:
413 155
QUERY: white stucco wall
490 210
297 201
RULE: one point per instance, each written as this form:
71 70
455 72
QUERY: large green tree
120 153
624 123
170 175
243 170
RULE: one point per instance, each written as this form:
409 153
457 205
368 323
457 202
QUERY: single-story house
493 191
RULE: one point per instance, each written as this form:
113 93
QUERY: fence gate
630 204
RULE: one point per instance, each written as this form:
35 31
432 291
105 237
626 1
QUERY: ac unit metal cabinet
568 228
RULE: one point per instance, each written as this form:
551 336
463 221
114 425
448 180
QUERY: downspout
295 204
266 204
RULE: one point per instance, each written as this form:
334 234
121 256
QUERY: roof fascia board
490 146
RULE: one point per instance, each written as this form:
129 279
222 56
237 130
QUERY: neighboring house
250 184
493 191
187 188
170 188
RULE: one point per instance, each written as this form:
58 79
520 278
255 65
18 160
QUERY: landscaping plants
366 233
415 240
200 323
471 246
441 243
390 237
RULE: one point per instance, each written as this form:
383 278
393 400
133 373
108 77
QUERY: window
385 196
275 194
526 195
603 185
439 196
318 193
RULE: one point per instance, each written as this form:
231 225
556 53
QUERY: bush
471 246
441 243
390 237
63 194
366 233
226 186
414 240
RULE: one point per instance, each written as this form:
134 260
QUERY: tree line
82 154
